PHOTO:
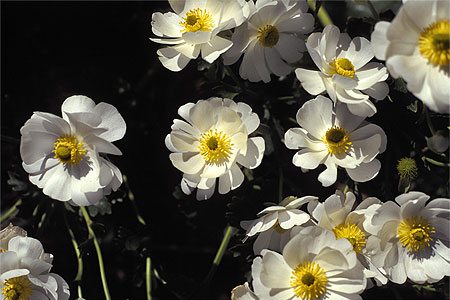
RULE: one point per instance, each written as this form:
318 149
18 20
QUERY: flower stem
373 10
132 199
322 14
99 253
148 270
77 251
10 211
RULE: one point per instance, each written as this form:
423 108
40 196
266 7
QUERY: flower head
25 272
275 223
271 39
407 168
415 46
314 265
62 157
410 238
210 143
344 70
335 137
192 30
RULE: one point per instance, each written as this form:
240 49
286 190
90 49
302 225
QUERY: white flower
314 265
275 223
24 269
335 138
62 157
211 141
272 38
410 239
344 70
415 47
193 29
336 213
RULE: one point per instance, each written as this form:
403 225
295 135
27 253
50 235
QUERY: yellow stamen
337 140
268 36
17 288
434 43
215 147
342 66
197 20
353 234
415 233
308 281
68 150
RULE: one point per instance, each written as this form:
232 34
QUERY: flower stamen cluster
68 150
415 233
17 288
197 20
434 43
308 280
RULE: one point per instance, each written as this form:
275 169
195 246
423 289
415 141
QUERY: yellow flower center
353 234
268 36
68 150
342 66
215 147
337 140
415 232
17 288
434 43
197 20
308 280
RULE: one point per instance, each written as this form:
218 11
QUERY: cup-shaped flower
314 265
211 142
344 70
192 29
62 157
271 39
336 213
25 272
410 238
415 46
275 223
335 137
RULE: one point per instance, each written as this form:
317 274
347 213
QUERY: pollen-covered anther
415 233
342 66
268 36
197 20
68 150
309 281
434 43
215 146
337 140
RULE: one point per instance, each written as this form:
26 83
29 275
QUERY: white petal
25 247
290 47
254 155
190 163
312 81
172 59
292 218
359 52
275 64
365 171
167 24
112 121
329 176
275 272
309 159
379 39
315 116
214 48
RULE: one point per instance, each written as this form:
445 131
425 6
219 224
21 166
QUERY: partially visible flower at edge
415 46
270 39
192 30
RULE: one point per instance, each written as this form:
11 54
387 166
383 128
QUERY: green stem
148 269
10 211
373 10
428 118
132 199
97 249
77 251
224 244
322 14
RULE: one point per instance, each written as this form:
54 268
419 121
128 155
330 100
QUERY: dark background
52 50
